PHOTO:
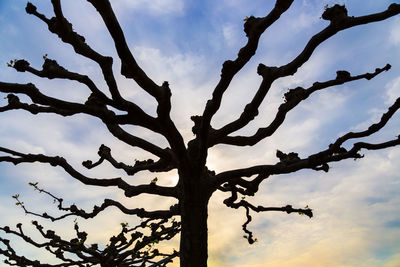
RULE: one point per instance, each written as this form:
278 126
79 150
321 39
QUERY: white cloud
187 76
394 36
177 67
374 115
392 91
231 34
155 7
305 20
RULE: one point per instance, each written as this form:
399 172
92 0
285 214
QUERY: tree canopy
166 138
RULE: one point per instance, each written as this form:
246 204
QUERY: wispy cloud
154 8
392 90
395 33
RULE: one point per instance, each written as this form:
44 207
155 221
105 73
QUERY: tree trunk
193 244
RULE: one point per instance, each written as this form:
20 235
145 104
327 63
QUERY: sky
356 205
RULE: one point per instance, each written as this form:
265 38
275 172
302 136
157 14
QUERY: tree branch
316 161
129 66
230 202
292 163
37 97
162 165
73 210
60 26
339 20
51 69
132 140
122 250
253 27
292 98
92 107
130 69
243 186
129 190
14 103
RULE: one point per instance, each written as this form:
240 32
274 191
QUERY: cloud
392 90
231 34
394 37
154 8
393 261
178 67
186 74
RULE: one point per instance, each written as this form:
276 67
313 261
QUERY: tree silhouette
196 184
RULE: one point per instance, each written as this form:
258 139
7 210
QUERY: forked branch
129 66
60 26
129 190
339 20
319 160
162 165
230 202
254 28
292 98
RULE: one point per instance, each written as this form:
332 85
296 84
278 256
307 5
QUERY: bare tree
196 182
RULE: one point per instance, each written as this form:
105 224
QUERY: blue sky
356 205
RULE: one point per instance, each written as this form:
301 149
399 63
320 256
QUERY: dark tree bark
194 214
196 182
